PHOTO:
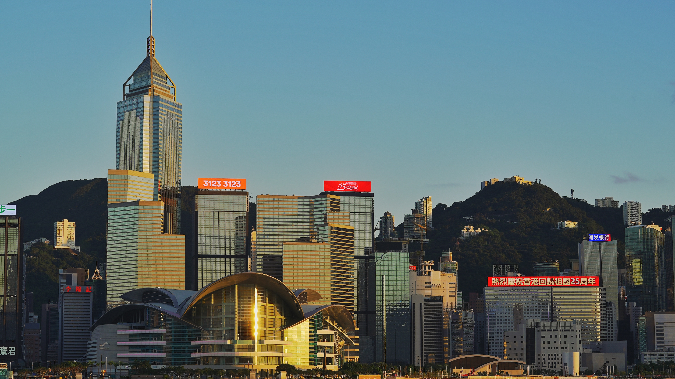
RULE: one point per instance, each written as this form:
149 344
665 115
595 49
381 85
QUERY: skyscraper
12 292
425 207
64 235
600 259
150 132
632 213
645 267
221 227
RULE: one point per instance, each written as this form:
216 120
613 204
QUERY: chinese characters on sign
412 268
222 183
7 350
599 237
7 210
539 281
83 289
350 186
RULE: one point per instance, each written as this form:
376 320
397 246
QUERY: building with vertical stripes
12 273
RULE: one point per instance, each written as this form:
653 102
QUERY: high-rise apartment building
150 133
606 202
645 267
600 259
75 314
64 235
12 292
632 213
222 235
413 226
387 227
425 207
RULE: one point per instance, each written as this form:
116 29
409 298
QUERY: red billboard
222 183
350 186
543 281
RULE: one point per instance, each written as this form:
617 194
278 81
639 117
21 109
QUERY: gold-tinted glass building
150 133
138 253
305 222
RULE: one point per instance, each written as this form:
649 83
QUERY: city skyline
571 94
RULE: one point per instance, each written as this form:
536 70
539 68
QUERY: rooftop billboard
222 183
347 186
7 210
600 237
543 281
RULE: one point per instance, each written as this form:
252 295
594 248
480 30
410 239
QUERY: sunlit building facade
425 207
508 307
130 185
150 133
600 259
222 235
139 255
64 235
243 321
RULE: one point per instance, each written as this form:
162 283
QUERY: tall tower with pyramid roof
150 132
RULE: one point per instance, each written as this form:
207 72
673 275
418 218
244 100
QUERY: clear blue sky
421 98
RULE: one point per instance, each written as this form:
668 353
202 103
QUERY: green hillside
521 222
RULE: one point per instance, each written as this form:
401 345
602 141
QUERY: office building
547 268
49 334
387 227
149 133
325 267
139 255
645 268
632 213
12 293
128 185
545 345
64 235
222 235
425 207
75 314
509 301
600 259
392 341
606 202
31 340
660 337
433 298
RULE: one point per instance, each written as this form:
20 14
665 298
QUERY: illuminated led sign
543 281
222 183
412 268
599 237
7 210
337 185
82 289
7 350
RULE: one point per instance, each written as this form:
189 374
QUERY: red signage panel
350 186
222 183
543 281
83 289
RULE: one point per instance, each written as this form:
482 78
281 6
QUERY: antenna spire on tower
151 39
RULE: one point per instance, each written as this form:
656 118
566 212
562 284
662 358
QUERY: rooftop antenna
151 39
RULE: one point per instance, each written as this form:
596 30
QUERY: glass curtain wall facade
393 302
221 224
13 280
307 265
645 267
600 259
138 254
505 307
150 133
